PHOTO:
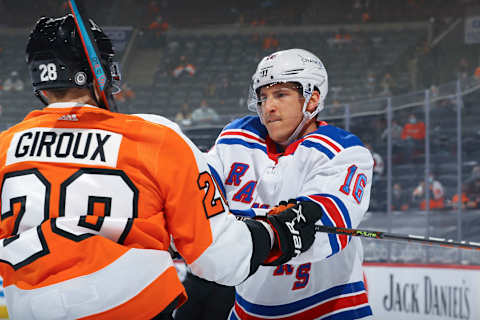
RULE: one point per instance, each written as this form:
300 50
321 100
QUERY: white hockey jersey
330 167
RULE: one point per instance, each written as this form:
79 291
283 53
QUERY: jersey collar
274 150
69 105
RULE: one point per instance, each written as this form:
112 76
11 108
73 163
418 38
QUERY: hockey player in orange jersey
92 199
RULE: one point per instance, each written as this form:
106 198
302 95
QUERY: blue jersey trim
332 238
351 314
326 221
342 207
237 141
249 213
249 123
217 178
344 138
233 316
299 305
319 147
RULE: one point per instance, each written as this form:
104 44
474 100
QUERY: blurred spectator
434 91
153 7
413 129
366 17
158 26
378 164
371 83
125 94
396 130
156 30
413 135
341 37
270 42
184 115
476 74
204 114
224 87
184 68
388 85
472 188
436 194
257 22
464 198
13 83
399 198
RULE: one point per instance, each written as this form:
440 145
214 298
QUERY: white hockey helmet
292 65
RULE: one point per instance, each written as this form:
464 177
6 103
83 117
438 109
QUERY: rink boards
423 292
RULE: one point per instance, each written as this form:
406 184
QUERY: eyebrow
279 89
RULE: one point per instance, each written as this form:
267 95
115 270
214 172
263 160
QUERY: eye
261 100
280 94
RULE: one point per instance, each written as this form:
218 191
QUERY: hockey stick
92 53
430 241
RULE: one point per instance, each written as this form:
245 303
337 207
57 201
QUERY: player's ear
314 100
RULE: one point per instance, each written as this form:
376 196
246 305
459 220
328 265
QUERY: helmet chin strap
40 97
306 117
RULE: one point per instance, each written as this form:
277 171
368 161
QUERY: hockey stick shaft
430 241
91 51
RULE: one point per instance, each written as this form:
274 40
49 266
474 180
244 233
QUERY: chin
279 139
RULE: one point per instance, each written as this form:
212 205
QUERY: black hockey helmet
56 58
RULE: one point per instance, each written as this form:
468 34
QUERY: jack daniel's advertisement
419 292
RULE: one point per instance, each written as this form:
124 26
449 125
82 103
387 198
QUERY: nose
269 105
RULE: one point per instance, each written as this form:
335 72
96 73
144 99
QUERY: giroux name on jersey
86 146
47 144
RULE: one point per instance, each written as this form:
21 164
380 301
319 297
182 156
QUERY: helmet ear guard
56 58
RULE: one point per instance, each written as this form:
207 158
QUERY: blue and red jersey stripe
348 301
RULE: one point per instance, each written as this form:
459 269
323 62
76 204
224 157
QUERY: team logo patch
80 78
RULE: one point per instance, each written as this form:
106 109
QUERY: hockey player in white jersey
288 152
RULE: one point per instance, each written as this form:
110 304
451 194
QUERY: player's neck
74 98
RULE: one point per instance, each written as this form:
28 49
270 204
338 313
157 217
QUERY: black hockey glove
293 224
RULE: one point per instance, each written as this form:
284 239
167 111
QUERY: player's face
281 109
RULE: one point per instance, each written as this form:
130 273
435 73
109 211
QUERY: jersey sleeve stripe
335 215
341 206
331 143
233 315
333 239
236 141
320 147
243 134
347 297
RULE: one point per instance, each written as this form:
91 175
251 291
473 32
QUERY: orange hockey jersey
91 201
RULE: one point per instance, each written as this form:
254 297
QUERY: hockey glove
293 224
